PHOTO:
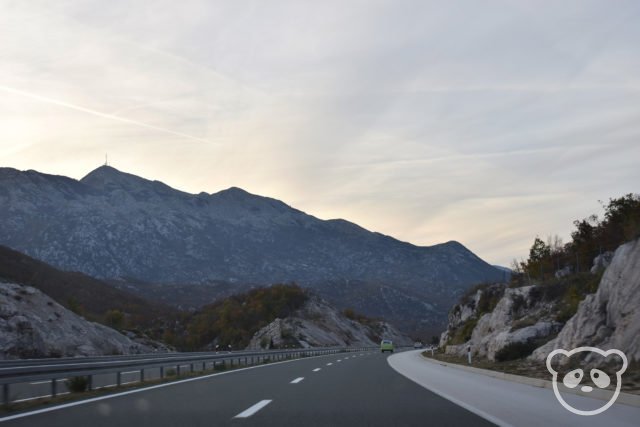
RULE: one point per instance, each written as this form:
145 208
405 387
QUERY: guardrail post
178 370
5 394
54 388
142 375
192 368
161 372
90 382
118 378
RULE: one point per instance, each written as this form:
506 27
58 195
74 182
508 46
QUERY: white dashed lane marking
297 380
316 370
253 409
329 364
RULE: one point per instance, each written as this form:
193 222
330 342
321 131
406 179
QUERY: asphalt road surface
508 403
349 389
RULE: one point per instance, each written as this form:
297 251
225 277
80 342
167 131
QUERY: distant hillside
277 316
114 225
80 293
234 320
317 324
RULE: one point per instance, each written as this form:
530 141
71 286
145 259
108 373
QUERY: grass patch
77 384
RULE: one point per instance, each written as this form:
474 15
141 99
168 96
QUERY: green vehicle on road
386 345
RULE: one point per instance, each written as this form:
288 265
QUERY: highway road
349 389
345 389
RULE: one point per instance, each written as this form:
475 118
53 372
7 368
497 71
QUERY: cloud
486 123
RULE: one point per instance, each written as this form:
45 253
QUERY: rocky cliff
502 323
32 325
610 318
497 319
318 324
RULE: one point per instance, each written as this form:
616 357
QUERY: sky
483 122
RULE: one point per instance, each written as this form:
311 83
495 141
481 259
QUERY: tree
539 251
539 262
114 319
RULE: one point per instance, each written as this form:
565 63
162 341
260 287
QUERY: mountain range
115 225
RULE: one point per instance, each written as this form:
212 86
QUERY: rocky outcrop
610 318
520 317
318 324
33 325
601 262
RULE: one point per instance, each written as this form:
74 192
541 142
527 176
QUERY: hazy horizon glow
485 123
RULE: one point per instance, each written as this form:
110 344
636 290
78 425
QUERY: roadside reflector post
142 375
177 370
90 382
54 388
161 372
469 354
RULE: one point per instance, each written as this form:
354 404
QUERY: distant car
386 345
417 344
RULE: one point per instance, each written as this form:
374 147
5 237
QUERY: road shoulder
503 402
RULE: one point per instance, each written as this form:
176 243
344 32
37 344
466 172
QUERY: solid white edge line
253 409
472 409
38 397
297 380
48 381
139 390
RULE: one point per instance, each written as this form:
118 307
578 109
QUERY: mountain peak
103 172
106 178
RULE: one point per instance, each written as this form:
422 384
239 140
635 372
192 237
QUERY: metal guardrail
22 371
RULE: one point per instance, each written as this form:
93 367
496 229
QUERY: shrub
114 319
77 384
516 350
463 333
489 298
